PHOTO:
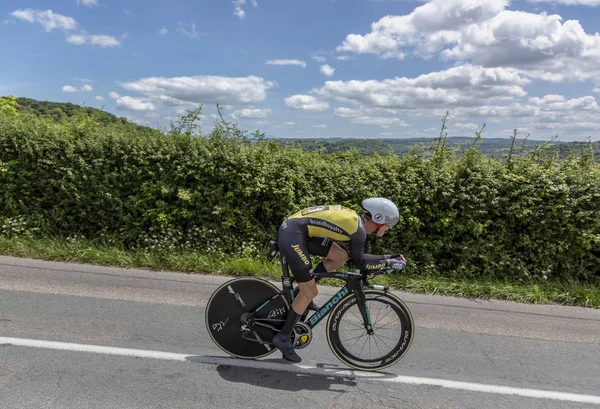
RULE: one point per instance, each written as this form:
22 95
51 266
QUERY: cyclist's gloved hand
396 263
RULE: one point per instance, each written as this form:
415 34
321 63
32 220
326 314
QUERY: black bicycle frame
353 285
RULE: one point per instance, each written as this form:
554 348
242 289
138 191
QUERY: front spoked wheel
393 331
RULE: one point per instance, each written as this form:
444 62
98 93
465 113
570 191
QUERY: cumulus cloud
238 11
458 86
327 70
461 125
251 113
369 116
484 33
202 89
70 88
188 30
50 21
99 98
163 31
306 102
47 18
99 40
127 103
88 3
287 62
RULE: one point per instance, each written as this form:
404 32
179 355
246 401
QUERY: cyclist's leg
293 245
335 256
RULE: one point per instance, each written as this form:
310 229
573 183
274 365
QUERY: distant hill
493 147
59 111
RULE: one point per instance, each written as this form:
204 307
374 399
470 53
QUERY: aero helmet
381 210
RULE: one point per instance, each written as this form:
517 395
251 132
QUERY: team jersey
335 222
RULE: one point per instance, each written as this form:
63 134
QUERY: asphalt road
82 336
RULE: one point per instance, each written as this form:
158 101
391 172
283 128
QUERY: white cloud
187 29
369 117
306 102
83 79
163 31
290 124
458 86
572 117
77 39
287 62
238 11
128 103
461 125
485 33
597 88
321 126
48 19
318 58
99 98
88 3
100 40
344 57
70 88
203 89
384 122
251 113
327 70
104 41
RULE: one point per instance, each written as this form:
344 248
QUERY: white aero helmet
381 210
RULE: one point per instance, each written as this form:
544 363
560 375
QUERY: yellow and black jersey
335 222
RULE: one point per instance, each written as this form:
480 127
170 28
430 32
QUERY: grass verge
83 251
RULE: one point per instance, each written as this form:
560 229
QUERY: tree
8 107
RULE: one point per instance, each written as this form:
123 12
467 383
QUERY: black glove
396 263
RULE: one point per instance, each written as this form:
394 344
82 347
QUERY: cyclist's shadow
275 378
284 380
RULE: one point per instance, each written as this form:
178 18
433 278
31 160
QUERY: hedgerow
525 215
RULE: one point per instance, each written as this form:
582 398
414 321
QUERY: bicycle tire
223 317
396 352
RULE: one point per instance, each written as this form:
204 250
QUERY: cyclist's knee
337 255
308 289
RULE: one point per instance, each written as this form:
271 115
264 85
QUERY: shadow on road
280 374
284 380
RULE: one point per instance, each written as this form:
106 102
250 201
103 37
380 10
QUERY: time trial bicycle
368 328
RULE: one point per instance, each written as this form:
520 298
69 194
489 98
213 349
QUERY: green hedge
469 215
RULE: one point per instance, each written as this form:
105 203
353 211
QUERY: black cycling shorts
297 247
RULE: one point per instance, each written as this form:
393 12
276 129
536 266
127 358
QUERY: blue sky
316 68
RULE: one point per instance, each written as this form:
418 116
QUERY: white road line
373 376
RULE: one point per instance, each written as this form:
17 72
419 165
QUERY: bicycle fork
356 286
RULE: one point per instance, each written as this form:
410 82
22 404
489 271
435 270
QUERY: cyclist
312 231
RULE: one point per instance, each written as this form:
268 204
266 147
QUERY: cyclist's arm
369 262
